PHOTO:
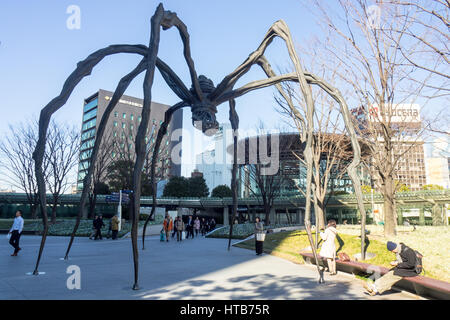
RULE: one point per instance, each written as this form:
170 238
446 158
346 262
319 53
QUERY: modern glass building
283 154
121 130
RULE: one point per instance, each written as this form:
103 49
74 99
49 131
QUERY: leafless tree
16 160
104 158
61 154
331 148
372 46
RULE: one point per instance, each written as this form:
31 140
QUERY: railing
442 196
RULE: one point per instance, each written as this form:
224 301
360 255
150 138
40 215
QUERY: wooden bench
420 285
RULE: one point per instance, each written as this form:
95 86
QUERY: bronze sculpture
203 98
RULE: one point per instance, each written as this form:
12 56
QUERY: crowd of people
185 229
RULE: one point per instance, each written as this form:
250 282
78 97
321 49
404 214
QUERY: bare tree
370 44
104 158
331 148
16 160
61 154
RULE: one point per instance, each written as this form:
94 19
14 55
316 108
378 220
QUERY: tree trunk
33 208
389 207
92 204
267 211
320 214
54 209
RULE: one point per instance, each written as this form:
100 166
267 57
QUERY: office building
120 133
408 148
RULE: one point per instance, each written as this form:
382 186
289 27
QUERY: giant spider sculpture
203 98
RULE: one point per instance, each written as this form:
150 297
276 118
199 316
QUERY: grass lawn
432 242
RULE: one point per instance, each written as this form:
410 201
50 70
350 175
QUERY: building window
91 114
87 144
131 127
115 134
88 134
124 125
85 155
139 118
132 117
115 123
116 114
90 124
90 105
124 115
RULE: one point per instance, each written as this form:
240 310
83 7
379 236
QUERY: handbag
343 256
260 236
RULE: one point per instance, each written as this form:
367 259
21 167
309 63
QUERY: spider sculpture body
203 98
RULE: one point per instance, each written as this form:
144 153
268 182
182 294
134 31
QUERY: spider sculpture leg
234 120
84 68
140 137
223 93
337 96
120 90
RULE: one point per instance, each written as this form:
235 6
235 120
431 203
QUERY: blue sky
38 51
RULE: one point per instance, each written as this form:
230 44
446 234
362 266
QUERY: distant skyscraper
216 163
121 130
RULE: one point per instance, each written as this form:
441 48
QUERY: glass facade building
122 128
289 177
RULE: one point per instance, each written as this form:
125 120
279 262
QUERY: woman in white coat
328 250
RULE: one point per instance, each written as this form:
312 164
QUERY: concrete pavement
193 269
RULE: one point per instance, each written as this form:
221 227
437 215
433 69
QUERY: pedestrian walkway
192 269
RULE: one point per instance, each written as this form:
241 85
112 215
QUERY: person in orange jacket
168 226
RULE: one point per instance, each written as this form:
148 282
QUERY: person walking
203 226
180 228
94 229
212 224
197 226
98 224
115 226
174 232
190 227
16 232
408 263
168 226
328 249
259 236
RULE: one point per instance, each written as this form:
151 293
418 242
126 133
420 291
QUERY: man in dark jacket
404 266
190 227
98 224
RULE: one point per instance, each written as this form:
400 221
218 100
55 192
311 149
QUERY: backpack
418 268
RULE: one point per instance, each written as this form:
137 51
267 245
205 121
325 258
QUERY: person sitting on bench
404 266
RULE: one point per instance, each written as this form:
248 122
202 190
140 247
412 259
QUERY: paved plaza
193 269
